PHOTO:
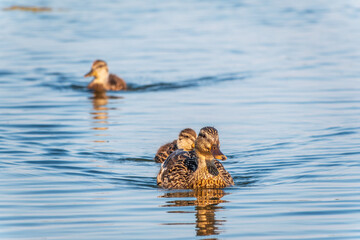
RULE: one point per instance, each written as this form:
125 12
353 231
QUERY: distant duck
185 141
103 81
198 168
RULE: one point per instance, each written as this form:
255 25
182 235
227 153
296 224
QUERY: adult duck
198 168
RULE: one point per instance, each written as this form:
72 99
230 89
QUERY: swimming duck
103 81
197 168
186 141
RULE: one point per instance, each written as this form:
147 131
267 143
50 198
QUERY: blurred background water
278 79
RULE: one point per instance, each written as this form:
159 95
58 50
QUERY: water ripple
66 82
277 78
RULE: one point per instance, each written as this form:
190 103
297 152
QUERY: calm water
280 80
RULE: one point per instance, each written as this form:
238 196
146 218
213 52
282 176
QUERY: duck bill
89 74
218 154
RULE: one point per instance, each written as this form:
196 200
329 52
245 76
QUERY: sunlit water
278 79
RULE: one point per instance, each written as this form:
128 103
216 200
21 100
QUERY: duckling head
99 70
207 144
186 139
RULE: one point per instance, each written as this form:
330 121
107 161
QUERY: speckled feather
164 151
185 141
225 174
176 171
180 170
114 83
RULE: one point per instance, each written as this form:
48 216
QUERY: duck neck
203 159
101 78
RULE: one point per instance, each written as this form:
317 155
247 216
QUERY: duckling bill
103 80
198 168
186 141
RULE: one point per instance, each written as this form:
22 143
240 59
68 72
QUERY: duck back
177 169
164 151
181 170
116 83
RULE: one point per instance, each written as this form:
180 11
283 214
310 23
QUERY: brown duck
198 168
186 141
103 81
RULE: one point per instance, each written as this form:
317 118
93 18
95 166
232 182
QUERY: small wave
64 86
6 73
35 126
136 159
63 81
164 86
77 168
244 181
334 134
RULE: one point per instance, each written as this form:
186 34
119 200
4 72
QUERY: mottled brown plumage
186 141
197 168
103 81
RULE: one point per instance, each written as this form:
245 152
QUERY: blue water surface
280 80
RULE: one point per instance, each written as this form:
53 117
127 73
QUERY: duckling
186 141
197 168
103 81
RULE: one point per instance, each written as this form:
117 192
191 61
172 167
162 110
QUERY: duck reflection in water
206 204
100 111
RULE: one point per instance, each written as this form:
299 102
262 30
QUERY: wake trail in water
164 86
66 82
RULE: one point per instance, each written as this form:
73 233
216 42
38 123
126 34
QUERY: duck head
186 139
207 144
99 70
